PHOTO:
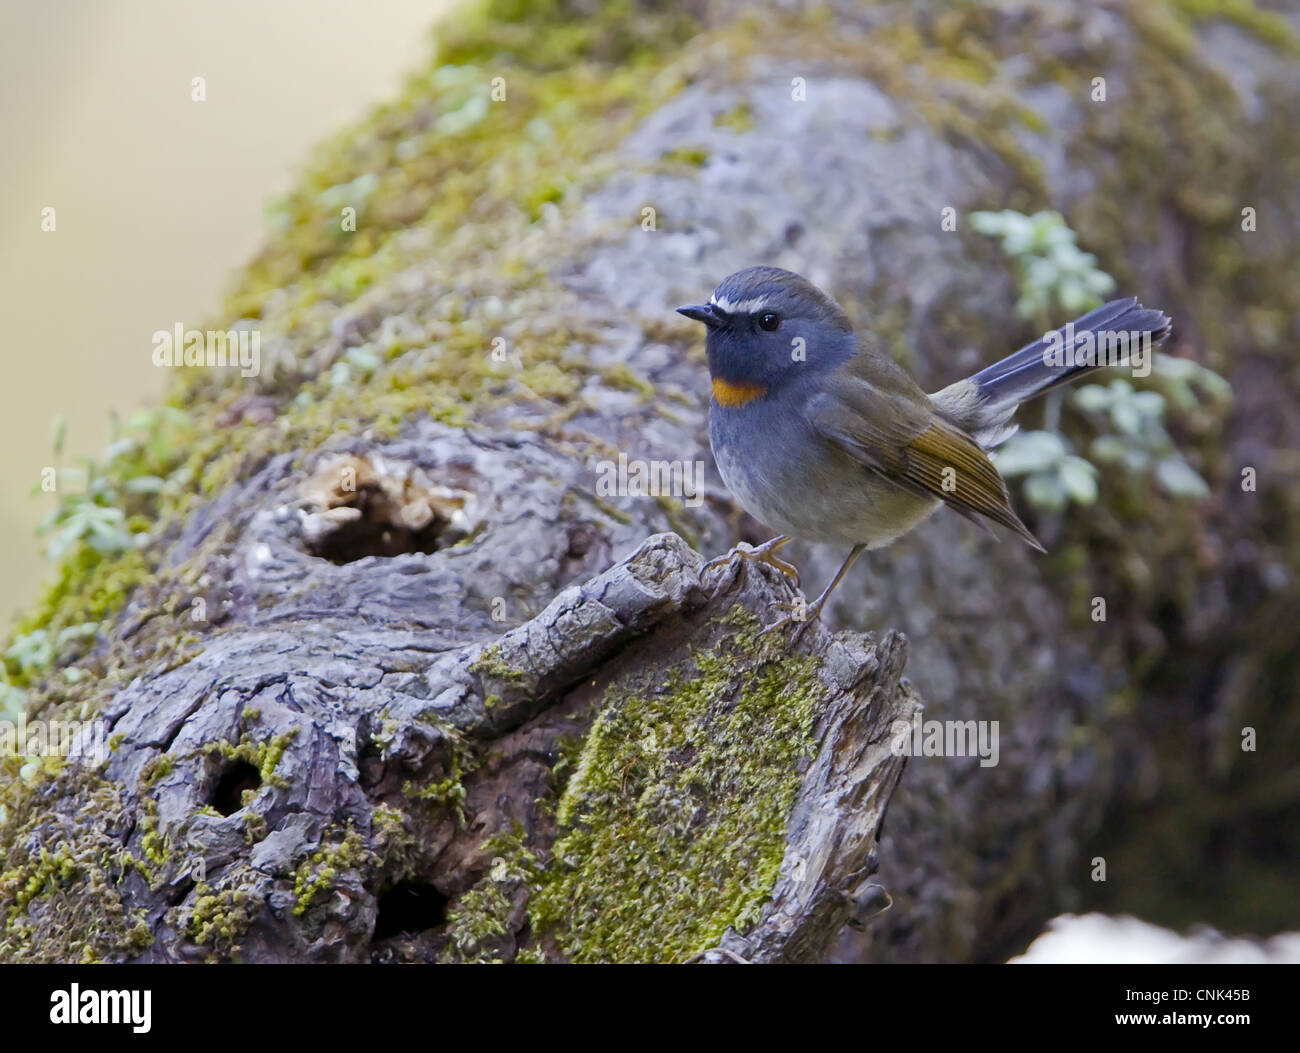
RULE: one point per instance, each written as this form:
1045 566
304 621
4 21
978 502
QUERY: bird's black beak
703 312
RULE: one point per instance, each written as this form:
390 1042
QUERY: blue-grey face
767 326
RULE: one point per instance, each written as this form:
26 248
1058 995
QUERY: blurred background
98 123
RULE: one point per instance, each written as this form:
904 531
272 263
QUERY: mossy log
390 678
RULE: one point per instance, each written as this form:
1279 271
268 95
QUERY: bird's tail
1116 333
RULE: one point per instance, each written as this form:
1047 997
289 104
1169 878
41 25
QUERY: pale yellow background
158 198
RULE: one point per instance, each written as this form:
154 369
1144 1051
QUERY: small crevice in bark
228 794
409 908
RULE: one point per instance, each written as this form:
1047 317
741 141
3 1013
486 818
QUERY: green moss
613 511
155 846
1269 26
264 755
318 874
420 174
739 118
569 756
492 668
481 916
555 34
449 791
394 841
674 512
673 825
490 663
47 869
220 917
61 868
254 827
89 587
624 378
155 768
692 156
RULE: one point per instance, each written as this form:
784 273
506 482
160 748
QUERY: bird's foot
802 614
764 553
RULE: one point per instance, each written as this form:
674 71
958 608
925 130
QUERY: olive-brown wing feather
907 443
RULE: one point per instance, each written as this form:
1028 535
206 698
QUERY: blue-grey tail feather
1025 375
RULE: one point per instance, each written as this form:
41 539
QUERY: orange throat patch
733 396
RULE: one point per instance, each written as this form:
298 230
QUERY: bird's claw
802 614
764 553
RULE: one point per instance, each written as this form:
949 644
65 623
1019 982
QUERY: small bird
826 438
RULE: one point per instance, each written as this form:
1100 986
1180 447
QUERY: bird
822 436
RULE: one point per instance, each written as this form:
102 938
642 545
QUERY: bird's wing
902 439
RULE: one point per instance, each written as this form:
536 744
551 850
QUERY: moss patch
264 756
673 825
62 870
479 922
221 916
318 874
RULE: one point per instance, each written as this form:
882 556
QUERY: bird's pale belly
798 484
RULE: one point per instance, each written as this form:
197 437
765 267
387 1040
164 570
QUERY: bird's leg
765 553
805 617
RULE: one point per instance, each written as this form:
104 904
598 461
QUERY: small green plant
13 699
1054 274
1051 270
31 654
104 508
1136 438
1053 476
136 462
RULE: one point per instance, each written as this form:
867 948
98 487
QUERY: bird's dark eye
770 322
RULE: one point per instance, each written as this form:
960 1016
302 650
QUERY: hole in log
409 907
373 533
228 797
361 507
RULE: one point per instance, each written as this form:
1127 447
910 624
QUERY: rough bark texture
399 753
454 751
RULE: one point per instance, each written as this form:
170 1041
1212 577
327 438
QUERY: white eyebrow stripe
738 307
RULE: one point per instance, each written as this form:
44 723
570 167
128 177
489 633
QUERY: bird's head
767 326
